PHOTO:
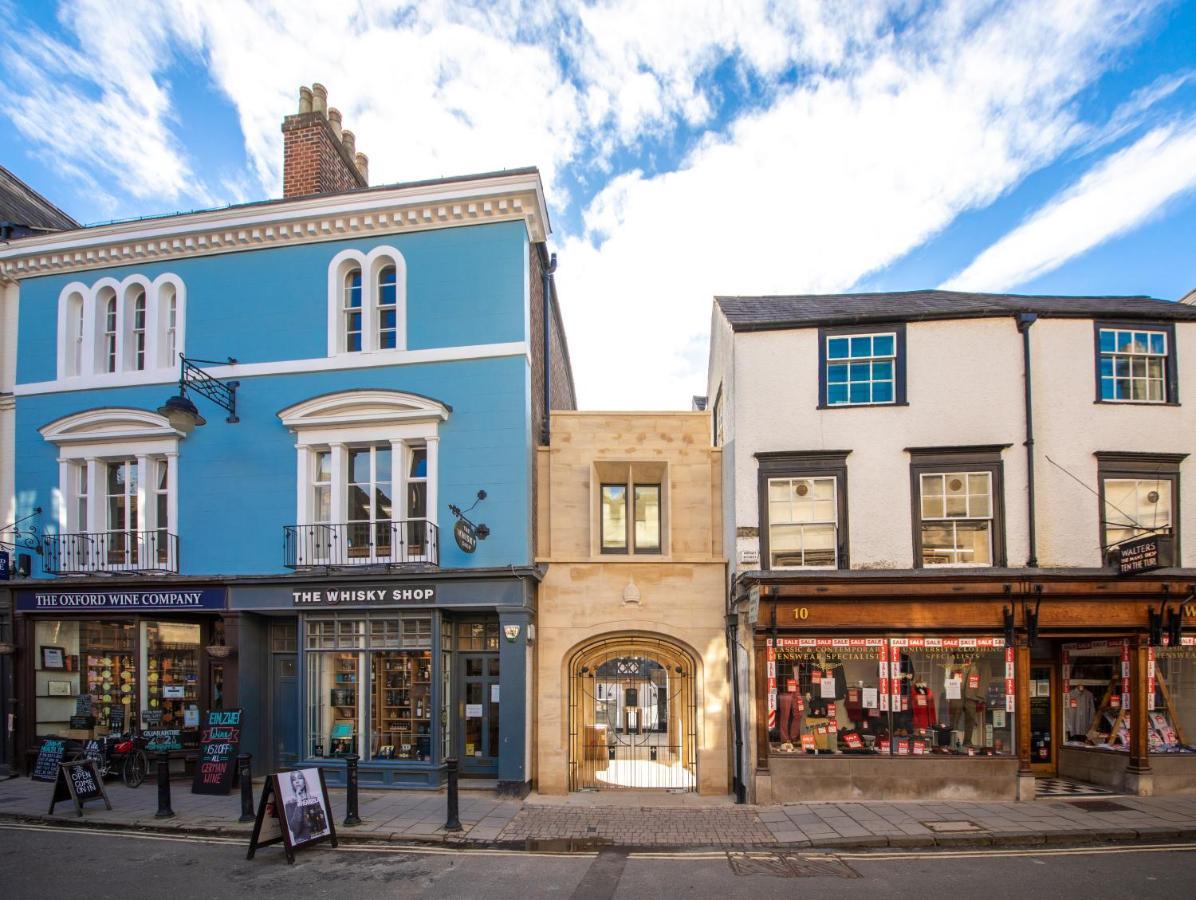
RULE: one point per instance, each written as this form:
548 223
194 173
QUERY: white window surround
81 356
371 265
88 440
362 417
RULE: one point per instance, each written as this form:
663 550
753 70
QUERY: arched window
353 311
367 301
168 313
108 345
75 314
138 335
387 317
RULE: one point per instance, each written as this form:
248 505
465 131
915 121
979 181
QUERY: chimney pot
363 166
320 98
334 119
349 141
304 100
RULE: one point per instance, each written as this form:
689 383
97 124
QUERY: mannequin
922 705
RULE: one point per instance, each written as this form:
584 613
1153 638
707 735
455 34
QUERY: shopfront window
891 696
1095 694
84 669
171 653
1172 713
369 686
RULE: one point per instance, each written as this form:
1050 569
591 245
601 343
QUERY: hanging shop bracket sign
364 595
1139 555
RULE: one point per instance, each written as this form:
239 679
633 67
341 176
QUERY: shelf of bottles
343 704
401 713
109 667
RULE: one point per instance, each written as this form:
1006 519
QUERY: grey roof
808 310
27 210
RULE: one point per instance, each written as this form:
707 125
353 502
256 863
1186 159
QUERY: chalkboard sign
93 750
82 722
83 705
163 739
49 755
80 782
219 742
116 719
151 717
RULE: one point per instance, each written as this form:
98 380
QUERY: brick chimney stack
318 156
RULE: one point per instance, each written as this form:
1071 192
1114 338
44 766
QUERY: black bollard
454 818
351 817
246 774
164 810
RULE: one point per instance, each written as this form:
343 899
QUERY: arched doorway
632 716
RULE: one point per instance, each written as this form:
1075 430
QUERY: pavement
640 820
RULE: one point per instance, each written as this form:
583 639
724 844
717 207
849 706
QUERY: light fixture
181 412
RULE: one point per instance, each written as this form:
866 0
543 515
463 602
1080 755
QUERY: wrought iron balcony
402 542
88 553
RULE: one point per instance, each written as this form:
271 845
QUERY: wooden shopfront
912 685
93 661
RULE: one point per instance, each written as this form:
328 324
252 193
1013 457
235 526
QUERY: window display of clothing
789 717
922 706
1078 711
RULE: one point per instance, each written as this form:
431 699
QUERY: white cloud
1117 195
840 176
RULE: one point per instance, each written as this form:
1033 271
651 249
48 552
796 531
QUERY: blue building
314 555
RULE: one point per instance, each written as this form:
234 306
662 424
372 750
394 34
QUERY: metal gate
632 717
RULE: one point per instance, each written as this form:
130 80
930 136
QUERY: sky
689 148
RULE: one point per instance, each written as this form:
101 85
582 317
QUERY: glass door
1042 719
478 705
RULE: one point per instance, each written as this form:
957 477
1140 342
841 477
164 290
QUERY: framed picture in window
59 688
53 657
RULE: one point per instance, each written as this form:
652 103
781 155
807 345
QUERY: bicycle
124 755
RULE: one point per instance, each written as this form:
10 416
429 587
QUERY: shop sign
219 743
465 535
365 594
1139 555
123 600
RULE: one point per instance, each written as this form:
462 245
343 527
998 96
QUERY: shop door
477 709
1042 719
285 714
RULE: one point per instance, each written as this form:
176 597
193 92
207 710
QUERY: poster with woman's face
304 814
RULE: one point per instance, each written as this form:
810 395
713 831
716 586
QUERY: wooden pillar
1021 681
1138 775
761 701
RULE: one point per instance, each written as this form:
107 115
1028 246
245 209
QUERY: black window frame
804 464
1170 366
940 460
1113 464
629 547
899 367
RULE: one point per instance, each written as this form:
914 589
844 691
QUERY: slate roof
23 207
808 310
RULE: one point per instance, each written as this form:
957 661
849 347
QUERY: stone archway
633 715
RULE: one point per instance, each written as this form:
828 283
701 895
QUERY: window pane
359 466
883 345
837 348
836 393
359 504
882 371
419 463
882 392
938 544
614 517
1158 342
861 347
860 393
836 374
647 517
972 539
778 489
861 372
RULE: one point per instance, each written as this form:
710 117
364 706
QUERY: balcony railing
403 542
111 551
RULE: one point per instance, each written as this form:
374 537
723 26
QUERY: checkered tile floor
1065 787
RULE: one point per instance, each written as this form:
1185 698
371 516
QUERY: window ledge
860 405
1135 403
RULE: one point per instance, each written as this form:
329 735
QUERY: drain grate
790 865
1099 805
959 827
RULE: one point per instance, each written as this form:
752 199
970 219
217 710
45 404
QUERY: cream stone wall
678 596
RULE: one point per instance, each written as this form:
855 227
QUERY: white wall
1070 426
964 387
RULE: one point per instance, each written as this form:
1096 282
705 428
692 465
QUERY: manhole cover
790 865
1099 805
952 827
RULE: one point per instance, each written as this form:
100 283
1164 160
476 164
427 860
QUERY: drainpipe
1024 321
737 781
546 431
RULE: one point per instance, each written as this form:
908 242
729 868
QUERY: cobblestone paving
641 826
